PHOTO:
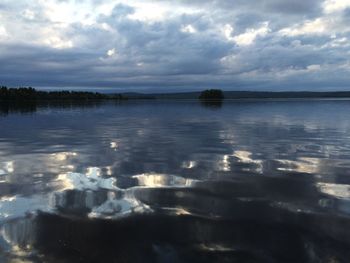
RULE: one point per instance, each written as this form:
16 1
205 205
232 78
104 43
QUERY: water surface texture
173 181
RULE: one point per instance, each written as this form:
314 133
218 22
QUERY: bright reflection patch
336 190
91 180
159 180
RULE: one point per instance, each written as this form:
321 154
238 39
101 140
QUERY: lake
176 181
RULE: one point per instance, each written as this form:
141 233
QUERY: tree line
29 93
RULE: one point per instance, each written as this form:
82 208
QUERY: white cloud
69 11
29 14
314 67
106 27
295 71
317 26
57 42
148 12
337 42
188 29
250 35
111 52
331 6
228 30
3 33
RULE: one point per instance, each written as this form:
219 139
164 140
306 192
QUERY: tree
211 94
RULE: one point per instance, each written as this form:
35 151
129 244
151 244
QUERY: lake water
175 181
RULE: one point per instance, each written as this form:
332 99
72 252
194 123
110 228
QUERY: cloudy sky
176 45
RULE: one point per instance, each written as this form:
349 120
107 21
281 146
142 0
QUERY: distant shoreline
31 94
239 95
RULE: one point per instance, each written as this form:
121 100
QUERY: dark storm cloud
305 7
175 45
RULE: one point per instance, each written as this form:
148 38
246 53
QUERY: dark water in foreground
264 181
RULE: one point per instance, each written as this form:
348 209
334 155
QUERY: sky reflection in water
177 182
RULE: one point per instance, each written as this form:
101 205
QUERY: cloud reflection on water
281 162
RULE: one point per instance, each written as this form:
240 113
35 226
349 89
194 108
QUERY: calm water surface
253 181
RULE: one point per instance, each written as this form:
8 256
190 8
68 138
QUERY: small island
212 94
211 98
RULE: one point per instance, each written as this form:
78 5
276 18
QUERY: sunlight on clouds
317 26
148 12
58 11
314 67
57 42
339 42
251 34
29 14
53 36
3 32
293 71
149 36
330 6
111 52
228 30
68 11
157 11
106 27
188 29
230 61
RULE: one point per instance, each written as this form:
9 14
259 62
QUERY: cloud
251 34
3 32
111 52
175 45
331 6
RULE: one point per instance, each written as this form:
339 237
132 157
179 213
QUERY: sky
175 45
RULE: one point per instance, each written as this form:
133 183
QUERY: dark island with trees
211 94
211 98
